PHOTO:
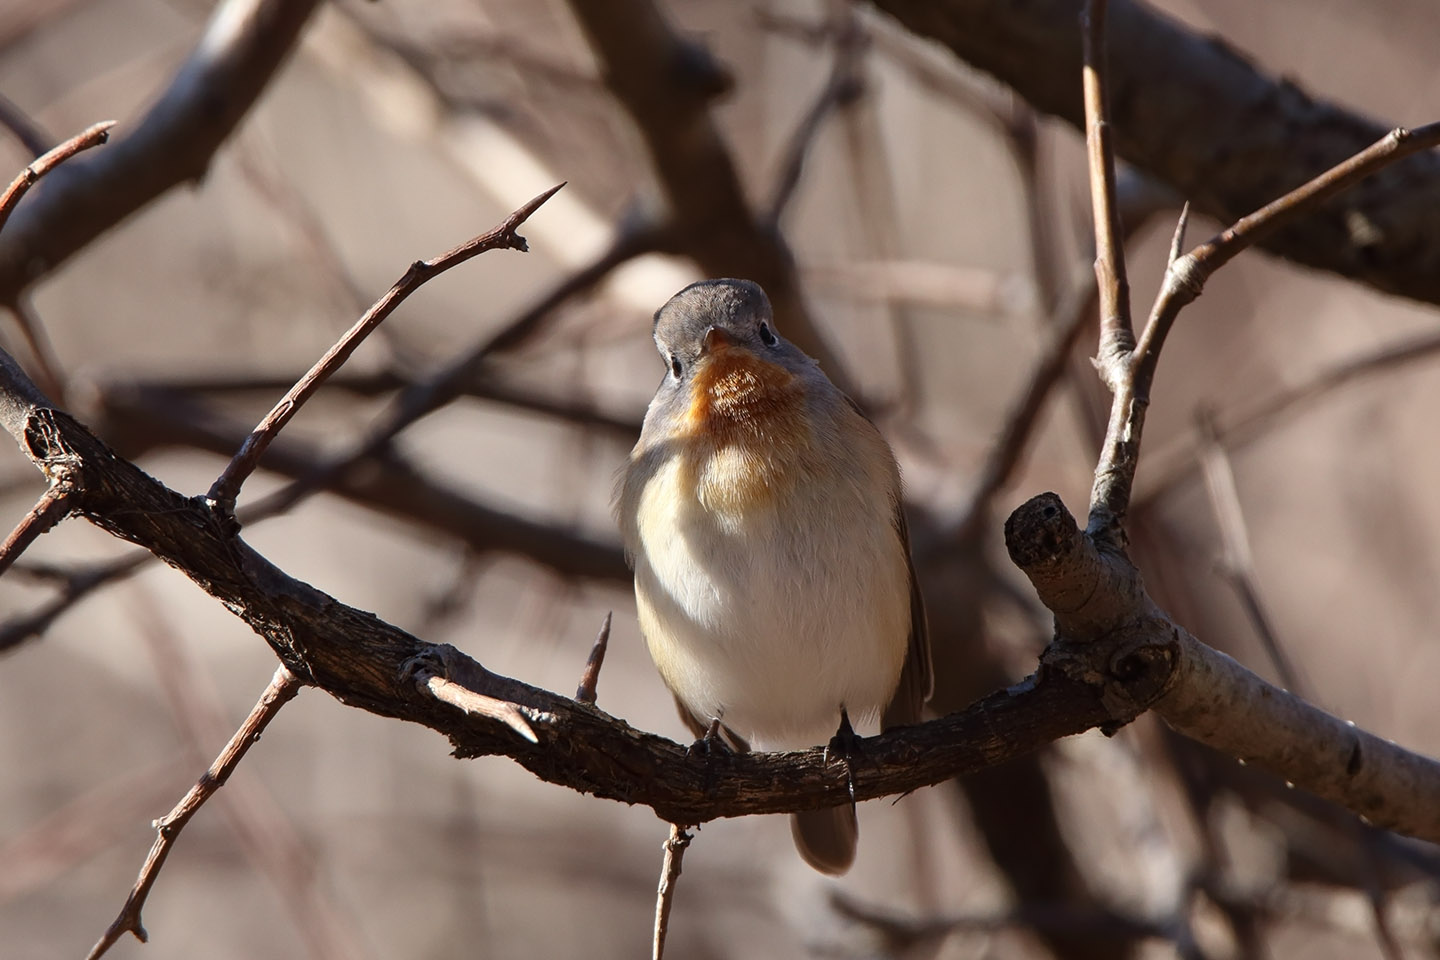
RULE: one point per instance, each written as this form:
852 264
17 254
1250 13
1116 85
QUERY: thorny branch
281 690
502 236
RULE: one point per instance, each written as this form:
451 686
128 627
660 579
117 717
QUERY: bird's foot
711 743
845 746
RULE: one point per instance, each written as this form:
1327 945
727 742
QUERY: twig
674 847
283 686
1186 276
1183 282
450 381
585 693
156 394
1237 562
1117 336
475 703
49 510
151 395
262 830
1177 241
84 140
503 236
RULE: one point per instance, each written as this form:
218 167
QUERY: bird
761 513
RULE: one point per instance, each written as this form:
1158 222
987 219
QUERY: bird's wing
917 677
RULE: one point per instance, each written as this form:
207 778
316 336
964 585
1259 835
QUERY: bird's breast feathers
771 579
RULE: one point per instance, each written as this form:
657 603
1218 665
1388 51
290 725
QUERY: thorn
590 677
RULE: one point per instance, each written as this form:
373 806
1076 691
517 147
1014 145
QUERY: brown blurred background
939 231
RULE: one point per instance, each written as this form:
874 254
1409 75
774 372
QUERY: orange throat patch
748 427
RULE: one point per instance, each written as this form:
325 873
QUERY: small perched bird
761 511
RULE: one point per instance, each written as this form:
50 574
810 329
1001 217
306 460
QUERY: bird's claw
845 745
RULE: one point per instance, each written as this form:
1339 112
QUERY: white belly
773 625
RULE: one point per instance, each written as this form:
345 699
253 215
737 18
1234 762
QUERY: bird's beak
716 339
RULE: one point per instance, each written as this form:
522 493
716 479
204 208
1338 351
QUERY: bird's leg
710 742
845 745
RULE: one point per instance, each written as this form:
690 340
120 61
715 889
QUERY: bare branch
451 380
590 678
282 688
49 510
368 663
1117 336
90 137
150 399
1096 595
1186 277
173 143
674 846
503 236
1190 109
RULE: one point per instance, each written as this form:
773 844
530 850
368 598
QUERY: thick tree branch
1097 596
1087 581
1191 110
368 663
174 142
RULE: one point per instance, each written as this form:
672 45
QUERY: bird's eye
676 367
766 336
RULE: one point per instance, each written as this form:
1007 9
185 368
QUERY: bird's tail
826 838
